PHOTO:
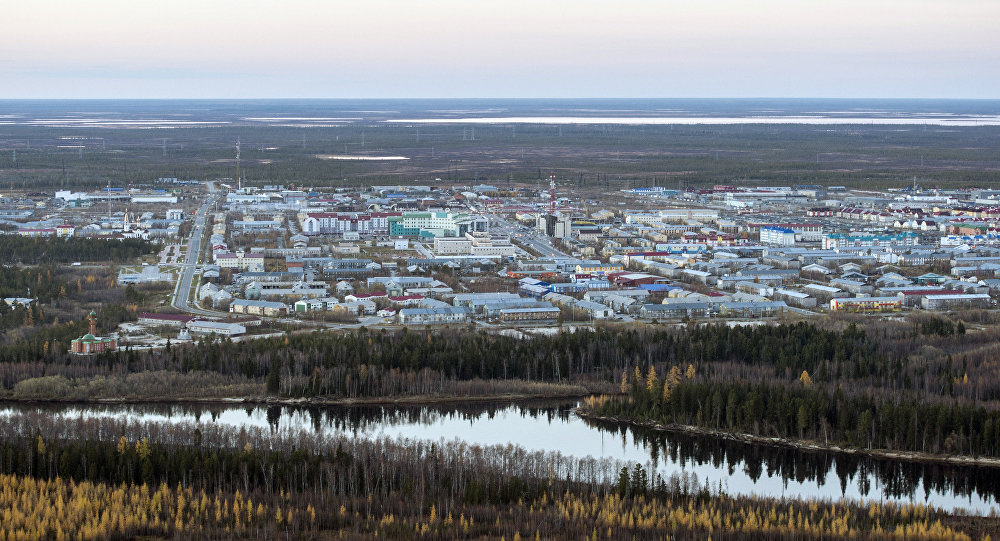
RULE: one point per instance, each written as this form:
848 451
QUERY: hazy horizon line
521 98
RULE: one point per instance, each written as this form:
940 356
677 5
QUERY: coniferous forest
923 385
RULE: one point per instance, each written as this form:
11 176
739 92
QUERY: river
552 426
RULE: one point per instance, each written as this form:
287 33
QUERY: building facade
90 343
437 224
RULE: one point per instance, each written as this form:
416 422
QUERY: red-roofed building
174 320
633 279
406 300
355 297
915 296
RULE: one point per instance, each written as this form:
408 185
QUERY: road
527 236
182 295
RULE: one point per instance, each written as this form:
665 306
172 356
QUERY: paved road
182 300
422 250
530 237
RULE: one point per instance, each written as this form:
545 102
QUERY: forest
926 384
891 388
923 384
114 478
50 250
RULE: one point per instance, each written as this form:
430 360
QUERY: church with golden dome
90 344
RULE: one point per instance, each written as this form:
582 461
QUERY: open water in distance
552 426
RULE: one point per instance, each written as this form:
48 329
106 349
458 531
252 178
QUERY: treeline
804 411
48 250
890 385
109 477
895 358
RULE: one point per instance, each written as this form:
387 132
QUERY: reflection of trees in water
353 419
894 479
359 419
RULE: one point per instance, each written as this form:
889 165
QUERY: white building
200 326
474 244
777 236
431 316
347 224
239 260
957 300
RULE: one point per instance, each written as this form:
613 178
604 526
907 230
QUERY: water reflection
863 476
739 467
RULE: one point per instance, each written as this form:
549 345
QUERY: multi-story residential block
777 235
833 241
342 223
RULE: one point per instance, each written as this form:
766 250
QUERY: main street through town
526 236
182 294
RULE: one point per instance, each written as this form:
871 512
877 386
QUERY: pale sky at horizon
515 48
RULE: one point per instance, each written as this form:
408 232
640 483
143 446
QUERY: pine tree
274 376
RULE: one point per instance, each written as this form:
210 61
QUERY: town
254 260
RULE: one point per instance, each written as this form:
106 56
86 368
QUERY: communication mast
552 193
126 227
239 178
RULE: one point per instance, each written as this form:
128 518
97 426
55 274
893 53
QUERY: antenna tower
239 178
128 210
552 193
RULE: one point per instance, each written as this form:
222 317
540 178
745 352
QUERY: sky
510 48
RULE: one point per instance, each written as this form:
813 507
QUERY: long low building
258 308
866 304
751 309
434 316
173 320
795 298
675 310
961 300
541 313
201 326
